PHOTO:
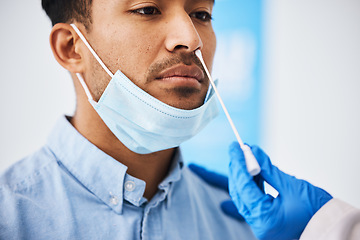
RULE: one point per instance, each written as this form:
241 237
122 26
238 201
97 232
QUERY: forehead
155 1
212 1
111 8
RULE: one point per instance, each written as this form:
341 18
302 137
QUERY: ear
66 48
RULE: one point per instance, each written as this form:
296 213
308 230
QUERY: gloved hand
277 218
280 218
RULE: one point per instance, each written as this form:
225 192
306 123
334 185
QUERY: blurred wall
310 119
35 90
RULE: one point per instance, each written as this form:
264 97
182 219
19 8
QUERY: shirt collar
101 174
98 172
173 176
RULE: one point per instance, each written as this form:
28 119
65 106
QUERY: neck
151 168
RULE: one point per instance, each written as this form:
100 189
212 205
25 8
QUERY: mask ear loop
81 80
79 76
91 50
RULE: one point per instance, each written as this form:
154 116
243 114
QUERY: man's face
153 43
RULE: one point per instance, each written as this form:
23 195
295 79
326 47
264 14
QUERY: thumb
270 173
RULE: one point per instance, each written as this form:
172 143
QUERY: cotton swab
251 163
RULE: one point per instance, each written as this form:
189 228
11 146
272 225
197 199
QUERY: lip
182 73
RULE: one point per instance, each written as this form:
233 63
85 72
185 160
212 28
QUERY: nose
182 34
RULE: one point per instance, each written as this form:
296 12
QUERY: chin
185 104
186 98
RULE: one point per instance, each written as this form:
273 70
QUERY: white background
311 88
312 92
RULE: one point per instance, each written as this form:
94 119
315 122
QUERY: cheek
209 41
134 55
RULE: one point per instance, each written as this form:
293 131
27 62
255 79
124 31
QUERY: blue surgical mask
141 122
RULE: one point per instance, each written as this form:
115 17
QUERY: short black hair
66 11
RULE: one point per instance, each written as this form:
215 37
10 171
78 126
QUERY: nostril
178 47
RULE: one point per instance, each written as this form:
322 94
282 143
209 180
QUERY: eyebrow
212 1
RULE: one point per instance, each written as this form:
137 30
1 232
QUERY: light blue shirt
70 189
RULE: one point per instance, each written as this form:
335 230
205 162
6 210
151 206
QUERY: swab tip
198 53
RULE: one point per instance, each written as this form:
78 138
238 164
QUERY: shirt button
129 186
114 200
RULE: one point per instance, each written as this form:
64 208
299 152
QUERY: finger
259 180
270 173
212 178
230 209
238 202
243 190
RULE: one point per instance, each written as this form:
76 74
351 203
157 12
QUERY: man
113 170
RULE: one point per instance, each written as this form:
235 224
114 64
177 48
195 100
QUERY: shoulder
204 194
22 192
201 187
27 171
24 184
334 221
203 203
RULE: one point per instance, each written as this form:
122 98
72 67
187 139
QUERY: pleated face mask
141 122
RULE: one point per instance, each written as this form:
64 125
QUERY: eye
202 16
146 11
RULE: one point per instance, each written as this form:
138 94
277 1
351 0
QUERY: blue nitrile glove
281 218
